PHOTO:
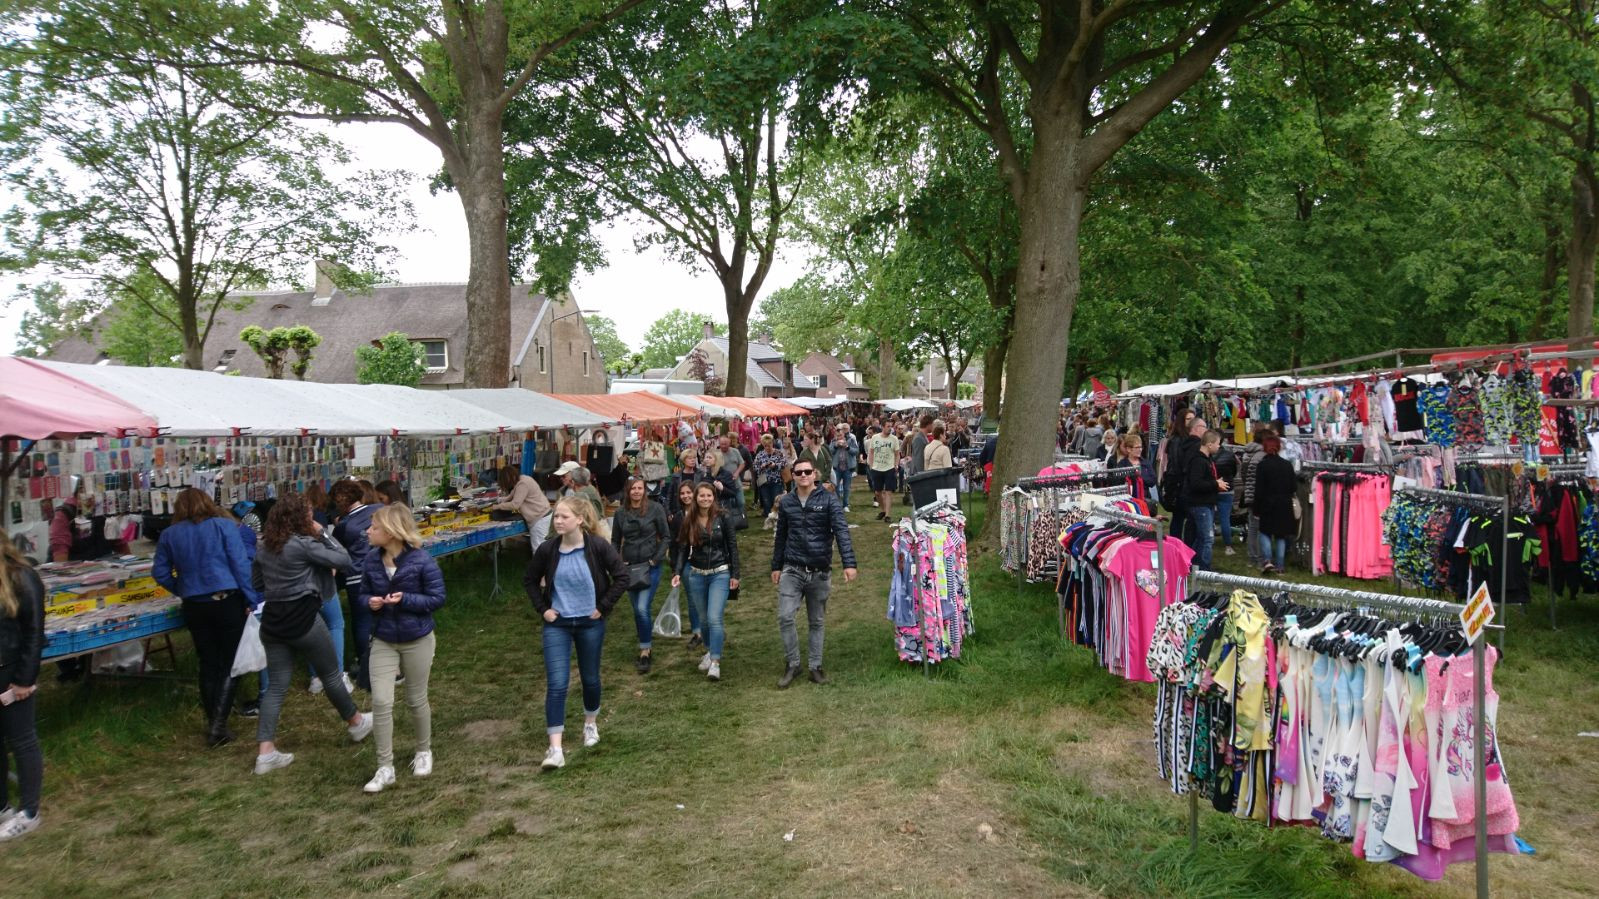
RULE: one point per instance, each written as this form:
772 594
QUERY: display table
90 606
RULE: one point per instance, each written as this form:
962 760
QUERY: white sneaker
591 735
316 686
360 729
272 761
422 765
1229 551
553 759
846 508
17 825
349 685
705 662
6 814
384 778
715 671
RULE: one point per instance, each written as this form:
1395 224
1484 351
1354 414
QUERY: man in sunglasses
809 520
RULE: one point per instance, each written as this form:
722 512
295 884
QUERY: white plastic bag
669 623
251 655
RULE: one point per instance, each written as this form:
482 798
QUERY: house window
541 358
585 363
821 381
435 355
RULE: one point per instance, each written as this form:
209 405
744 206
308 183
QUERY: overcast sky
633 290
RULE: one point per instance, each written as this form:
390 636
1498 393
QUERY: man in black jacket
1201 485
808 521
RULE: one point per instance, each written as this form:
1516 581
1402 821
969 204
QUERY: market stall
236 439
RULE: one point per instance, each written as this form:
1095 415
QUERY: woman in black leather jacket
21 644
706 556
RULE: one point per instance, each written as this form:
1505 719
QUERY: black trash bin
925 487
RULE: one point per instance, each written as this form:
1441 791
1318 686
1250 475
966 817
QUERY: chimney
323 270
766 337
710 329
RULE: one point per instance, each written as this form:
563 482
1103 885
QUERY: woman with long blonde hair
21 645
403 586
573 581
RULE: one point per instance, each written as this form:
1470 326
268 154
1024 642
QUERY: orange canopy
761 407
637 406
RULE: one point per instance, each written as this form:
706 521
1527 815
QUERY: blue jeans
1201 532
560 636
642 619
1224 516
707 593
333 616
1273 550
768 493
361 623
842 479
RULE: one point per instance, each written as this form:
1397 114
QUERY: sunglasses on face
801 474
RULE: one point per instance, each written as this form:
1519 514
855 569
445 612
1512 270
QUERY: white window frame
445 344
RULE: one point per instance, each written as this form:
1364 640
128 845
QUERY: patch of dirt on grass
879 837
488 731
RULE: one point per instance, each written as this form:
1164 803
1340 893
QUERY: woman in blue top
201 559
573 581
402 585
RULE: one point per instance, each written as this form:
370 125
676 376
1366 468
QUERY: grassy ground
883 778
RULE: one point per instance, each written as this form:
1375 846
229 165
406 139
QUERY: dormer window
435 356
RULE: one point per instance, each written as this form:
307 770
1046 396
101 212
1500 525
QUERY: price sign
1477 614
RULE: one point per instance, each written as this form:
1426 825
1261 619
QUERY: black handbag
638 576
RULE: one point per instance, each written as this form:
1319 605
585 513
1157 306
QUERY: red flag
1101 392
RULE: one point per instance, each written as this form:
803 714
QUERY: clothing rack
1027 533
916 516
1372 467
1560 473
1485 503
1061 480
1157 528
1333 597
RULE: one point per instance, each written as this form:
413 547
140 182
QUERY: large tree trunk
1048 280
885 369
738 338
1580 250
488 279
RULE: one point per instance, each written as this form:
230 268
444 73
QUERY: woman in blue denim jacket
201 559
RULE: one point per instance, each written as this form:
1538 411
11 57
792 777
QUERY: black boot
218 734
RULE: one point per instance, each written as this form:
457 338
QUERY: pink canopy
37 403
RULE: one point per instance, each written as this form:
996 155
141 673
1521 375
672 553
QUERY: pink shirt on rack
1132 565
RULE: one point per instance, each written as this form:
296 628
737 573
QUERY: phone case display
437 463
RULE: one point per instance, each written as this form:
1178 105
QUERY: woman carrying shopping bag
201 559
640 533
403 586
293 571
573 581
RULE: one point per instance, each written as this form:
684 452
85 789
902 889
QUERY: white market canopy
905 404
816 402
187 403
708 404
1181 387
526 410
